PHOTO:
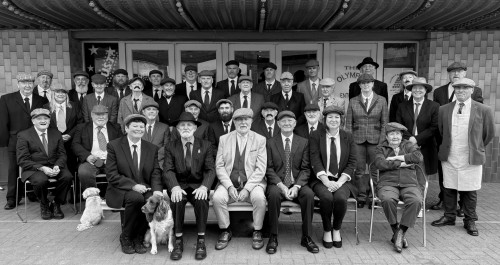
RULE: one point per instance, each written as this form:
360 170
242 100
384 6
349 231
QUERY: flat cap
312 63
411 72
120 71
286 113
243 113
55 86
286 75
206 73
134 117
98 79
269 105
151 104
80 73
365 78
40 111
394 126
222 101
167 80
136 79
186 116
270 65
457 66
333 109
245 78
233 62
367 60
99 109
311 107
45 72
464 82
155 71
23 77
327 82
190 68
191 103
419 81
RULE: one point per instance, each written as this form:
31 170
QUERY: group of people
261 144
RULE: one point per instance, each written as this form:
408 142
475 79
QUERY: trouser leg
274 197
361 179
412 197
134 223
469 202
450 203
200 211
13 170
220 200
306 201
64 179
389 197
340 197
40 183
325 205
258 200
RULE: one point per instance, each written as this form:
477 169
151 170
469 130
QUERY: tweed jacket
367 126
127 107
379 87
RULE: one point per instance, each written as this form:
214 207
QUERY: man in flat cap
224 126
406 77
396 160
229 86
191 81
132 104
208 97
240 166
133 175
44 80
157 133
288 99
446 94
267 126
194 107
246 98
41 155
270 86
368 66
328 97
156 91
466 128
120 86
287 174
15 109
171 105
89 145
82 88
189 172
100 97
310 86
313 115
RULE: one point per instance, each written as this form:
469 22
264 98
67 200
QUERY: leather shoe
361 204
10 205
443 221
460 212
327 244
337 244
471 228
127 245
139 247
45 212
257 241
201 249
309 244
398 241
56 211
178 249
405 242
223 240
272 244
437 206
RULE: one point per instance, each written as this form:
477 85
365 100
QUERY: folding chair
422 178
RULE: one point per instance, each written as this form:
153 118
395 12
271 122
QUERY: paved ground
58 242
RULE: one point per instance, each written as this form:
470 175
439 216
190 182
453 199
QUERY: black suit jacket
303 129
109 101
261 88
211 112
202 165
180 89
299 160
170 112
73 118
73 97
395 101
379 87
31 154
112 91
14 116
84 138
150 92
223 86
260 127
215 130
122 175
441 95
296 104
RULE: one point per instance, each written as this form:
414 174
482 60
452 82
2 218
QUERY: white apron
458 174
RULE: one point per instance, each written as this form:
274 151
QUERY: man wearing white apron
466 127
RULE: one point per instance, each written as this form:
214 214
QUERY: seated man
395 158
157 133
89 145
287 180
189 173
41 155
134 175
240 166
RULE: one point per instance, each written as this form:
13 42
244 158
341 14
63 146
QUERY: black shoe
201 249
56 211
10 205
32 197
405 242
308 243
398 241
460 212
471 228
443 221
45 212
361 204
127 245
178 249
337 244
257 241
437 206
139 246
272 244
223 240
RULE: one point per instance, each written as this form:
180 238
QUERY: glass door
144 57
203 56
252 59
293 57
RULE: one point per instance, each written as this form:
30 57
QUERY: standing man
287 174
44 80
120 87
466 128
133 174
157 133
171 104
81 80
289 100
99 97
132 104
268 126
208 97
310 86
189 173
368 66
156 91
406 78
240 166
270 86
229 86
313 115
15 109
245 98
328 97
191 83
224 126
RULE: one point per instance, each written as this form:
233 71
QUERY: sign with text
346 71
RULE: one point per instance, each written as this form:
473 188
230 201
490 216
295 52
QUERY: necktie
452 95
207 99
45 93
61 120
156 96
406 97
268 88
27 103
135 157
314 89
120 93
226 128
366 104
324 102
192 88
414 132
288 172
286 98
101 140
136 107
245 102
333 168
461 104
270 130
311 130
80 96
98 100
44 143
188 156
233 88
150 132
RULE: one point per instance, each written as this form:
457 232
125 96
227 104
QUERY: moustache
269 115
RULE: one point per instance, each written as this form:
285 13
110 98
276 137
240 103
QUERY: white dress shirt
242 141
229 83
314 82
30 98
289 94
203 92
370 98
49 92
40 135
242 99
100 95
96 151
270 83
315 126
339 151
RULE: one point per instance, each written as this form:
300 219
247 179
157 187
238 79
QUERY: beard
225 117
81 89
119 85
186 134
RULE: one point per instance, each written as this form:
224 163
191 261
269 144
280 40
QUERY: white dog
161 223
92 214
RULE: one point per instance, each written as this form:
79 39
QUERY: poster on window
346 71
101 58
